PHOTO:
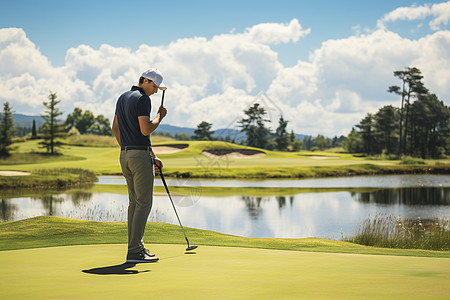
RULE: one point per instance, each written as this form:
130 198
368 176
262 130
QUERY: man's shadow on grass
121 269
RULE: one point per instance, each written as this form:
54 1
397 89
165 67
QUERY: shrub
408 160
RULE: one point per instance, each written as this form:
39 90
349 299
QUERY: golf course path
99 272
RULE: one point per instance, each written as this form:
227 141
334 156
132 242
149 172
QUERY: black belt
126 148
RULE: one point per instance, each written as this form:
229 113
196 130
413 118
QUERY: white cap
156 76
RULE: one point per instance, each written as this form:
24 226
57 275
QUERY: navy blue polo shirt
130 106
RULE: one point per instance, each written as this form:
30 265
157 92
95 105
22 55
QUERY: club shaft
171 201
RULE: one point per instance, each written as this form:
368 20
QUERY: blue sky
291 50
56 26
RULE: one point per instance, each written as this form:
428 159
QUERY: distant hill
175 129
27 121
21 120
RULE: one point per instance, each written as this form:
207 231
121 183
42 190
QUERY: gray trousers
138 170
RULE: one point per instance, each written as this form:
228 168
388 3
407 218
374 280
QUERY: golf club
189 247
162 100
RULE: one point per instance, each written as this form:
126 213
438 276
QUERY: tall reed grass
395 232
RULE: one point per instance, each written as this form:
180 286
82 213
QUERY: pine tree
6 129
33 130
52 129
282 137
254 127
412 88
203 132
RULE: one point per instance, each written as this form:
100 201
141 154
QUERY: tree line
52 130
420 127
259 135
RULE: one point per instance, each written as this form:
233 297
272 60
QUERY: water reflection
409 196
253 205
313 214
48 202
381 181
8 210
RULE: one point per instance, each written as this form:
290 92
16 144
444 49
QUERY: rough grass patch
395 232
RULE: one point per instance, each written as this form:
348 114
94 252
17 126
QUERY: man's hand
159 163
162 112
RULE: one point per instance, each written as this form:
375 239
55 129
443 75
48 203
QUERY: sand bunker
324 157
234 153
167 149
13 173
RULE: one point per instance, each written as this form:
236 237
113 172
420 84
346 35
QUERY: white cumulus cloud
439 13
215 79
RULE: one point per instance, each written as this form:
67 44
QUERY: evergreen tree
353 142
51 128
294 144
430 126
385 126
412 88
33 130
203 132
6 129
367 127
322 142
254 126
307 143
282 137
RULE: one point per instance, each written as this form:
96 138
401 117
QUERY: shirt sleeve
144 106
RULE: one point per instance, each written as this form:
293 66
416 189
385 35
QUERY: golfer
132 127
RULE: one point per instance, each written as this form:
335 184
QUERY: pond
325 208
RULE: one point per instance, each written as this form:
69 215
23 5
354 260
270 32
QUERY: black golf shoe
141 257
148 252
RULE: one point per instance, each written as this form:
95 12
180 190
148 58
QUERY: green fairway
99 272
192 162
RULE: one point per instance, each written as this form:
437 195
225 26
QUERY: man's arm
115 129
148 126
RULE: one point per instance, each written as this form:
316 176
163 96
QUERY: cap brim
162 86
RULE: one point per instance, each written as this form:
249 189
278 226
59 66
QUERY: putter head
190 248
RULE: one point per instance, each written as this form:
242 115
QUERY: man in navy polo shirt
132 128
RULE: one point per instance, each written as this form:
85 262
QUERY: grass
35 158
98 272
34 265
48 178
54 231
393 232
192 163
90 140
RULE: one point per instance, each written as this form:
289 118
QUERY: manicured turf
191 162
224 266
99 272
54 231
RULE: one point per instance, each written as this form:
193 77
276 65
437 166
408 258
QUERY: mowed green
99 272
105 160
85 260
